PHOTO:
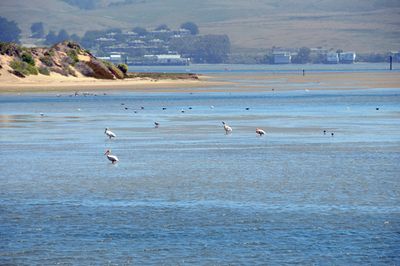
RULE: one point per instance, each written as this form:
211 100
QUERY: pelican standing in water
227 128
111 157
260 132
109 133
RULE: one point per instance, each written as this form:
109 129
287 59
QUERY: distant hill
360 25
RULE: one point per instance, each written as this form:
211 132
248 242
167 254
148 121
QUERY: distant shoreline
269 82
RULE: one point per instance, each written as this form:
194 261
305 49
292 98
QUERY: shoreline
59 84
217 83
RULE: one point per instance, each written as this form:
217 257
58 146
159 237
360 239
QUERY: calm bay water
186 193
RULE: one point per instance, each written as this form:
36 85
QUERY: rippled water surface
187 193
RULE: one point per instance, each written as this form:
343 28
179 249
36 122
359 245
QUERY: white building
282 57
116 58
167 59
332 58
347 57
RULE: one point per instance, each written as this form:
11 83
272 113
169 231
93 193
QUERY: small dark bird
156 124
247 108
182 111
164 108
377 108
142 108
190 108
324 132
332 134
126 108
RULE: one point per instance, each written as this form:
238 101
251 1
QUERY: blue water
232 70
186 193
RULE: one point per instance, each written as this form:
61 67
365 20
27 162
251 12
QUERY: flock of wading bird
228 130
114 159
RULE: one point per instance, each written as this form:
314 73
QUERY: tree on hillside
303 56
190 26
51 38
203 49
74 37
9 31
163 27
62 36
37 30
89 38
140 31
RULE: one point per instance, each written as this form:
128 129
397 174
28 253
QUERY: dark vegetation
123 68
53 38
22 69
203 49
37 30
10 49
190 26
27 58
44 71
9 31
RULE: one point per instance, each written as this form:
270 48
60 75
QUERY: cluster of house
285 57
135 49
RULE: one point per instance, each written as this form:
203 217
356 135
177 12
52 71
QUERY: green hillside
361 25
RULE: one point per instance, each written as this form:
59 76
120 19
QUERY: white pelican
227 128
260 132
109 133
110 157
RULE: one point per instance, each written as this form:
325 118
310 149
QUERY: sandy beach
270 81
58 83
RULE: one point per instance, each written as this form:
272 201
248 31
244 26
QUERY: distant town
182 46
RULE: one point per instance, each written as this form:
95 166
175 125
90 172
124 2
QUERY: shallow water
187 193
